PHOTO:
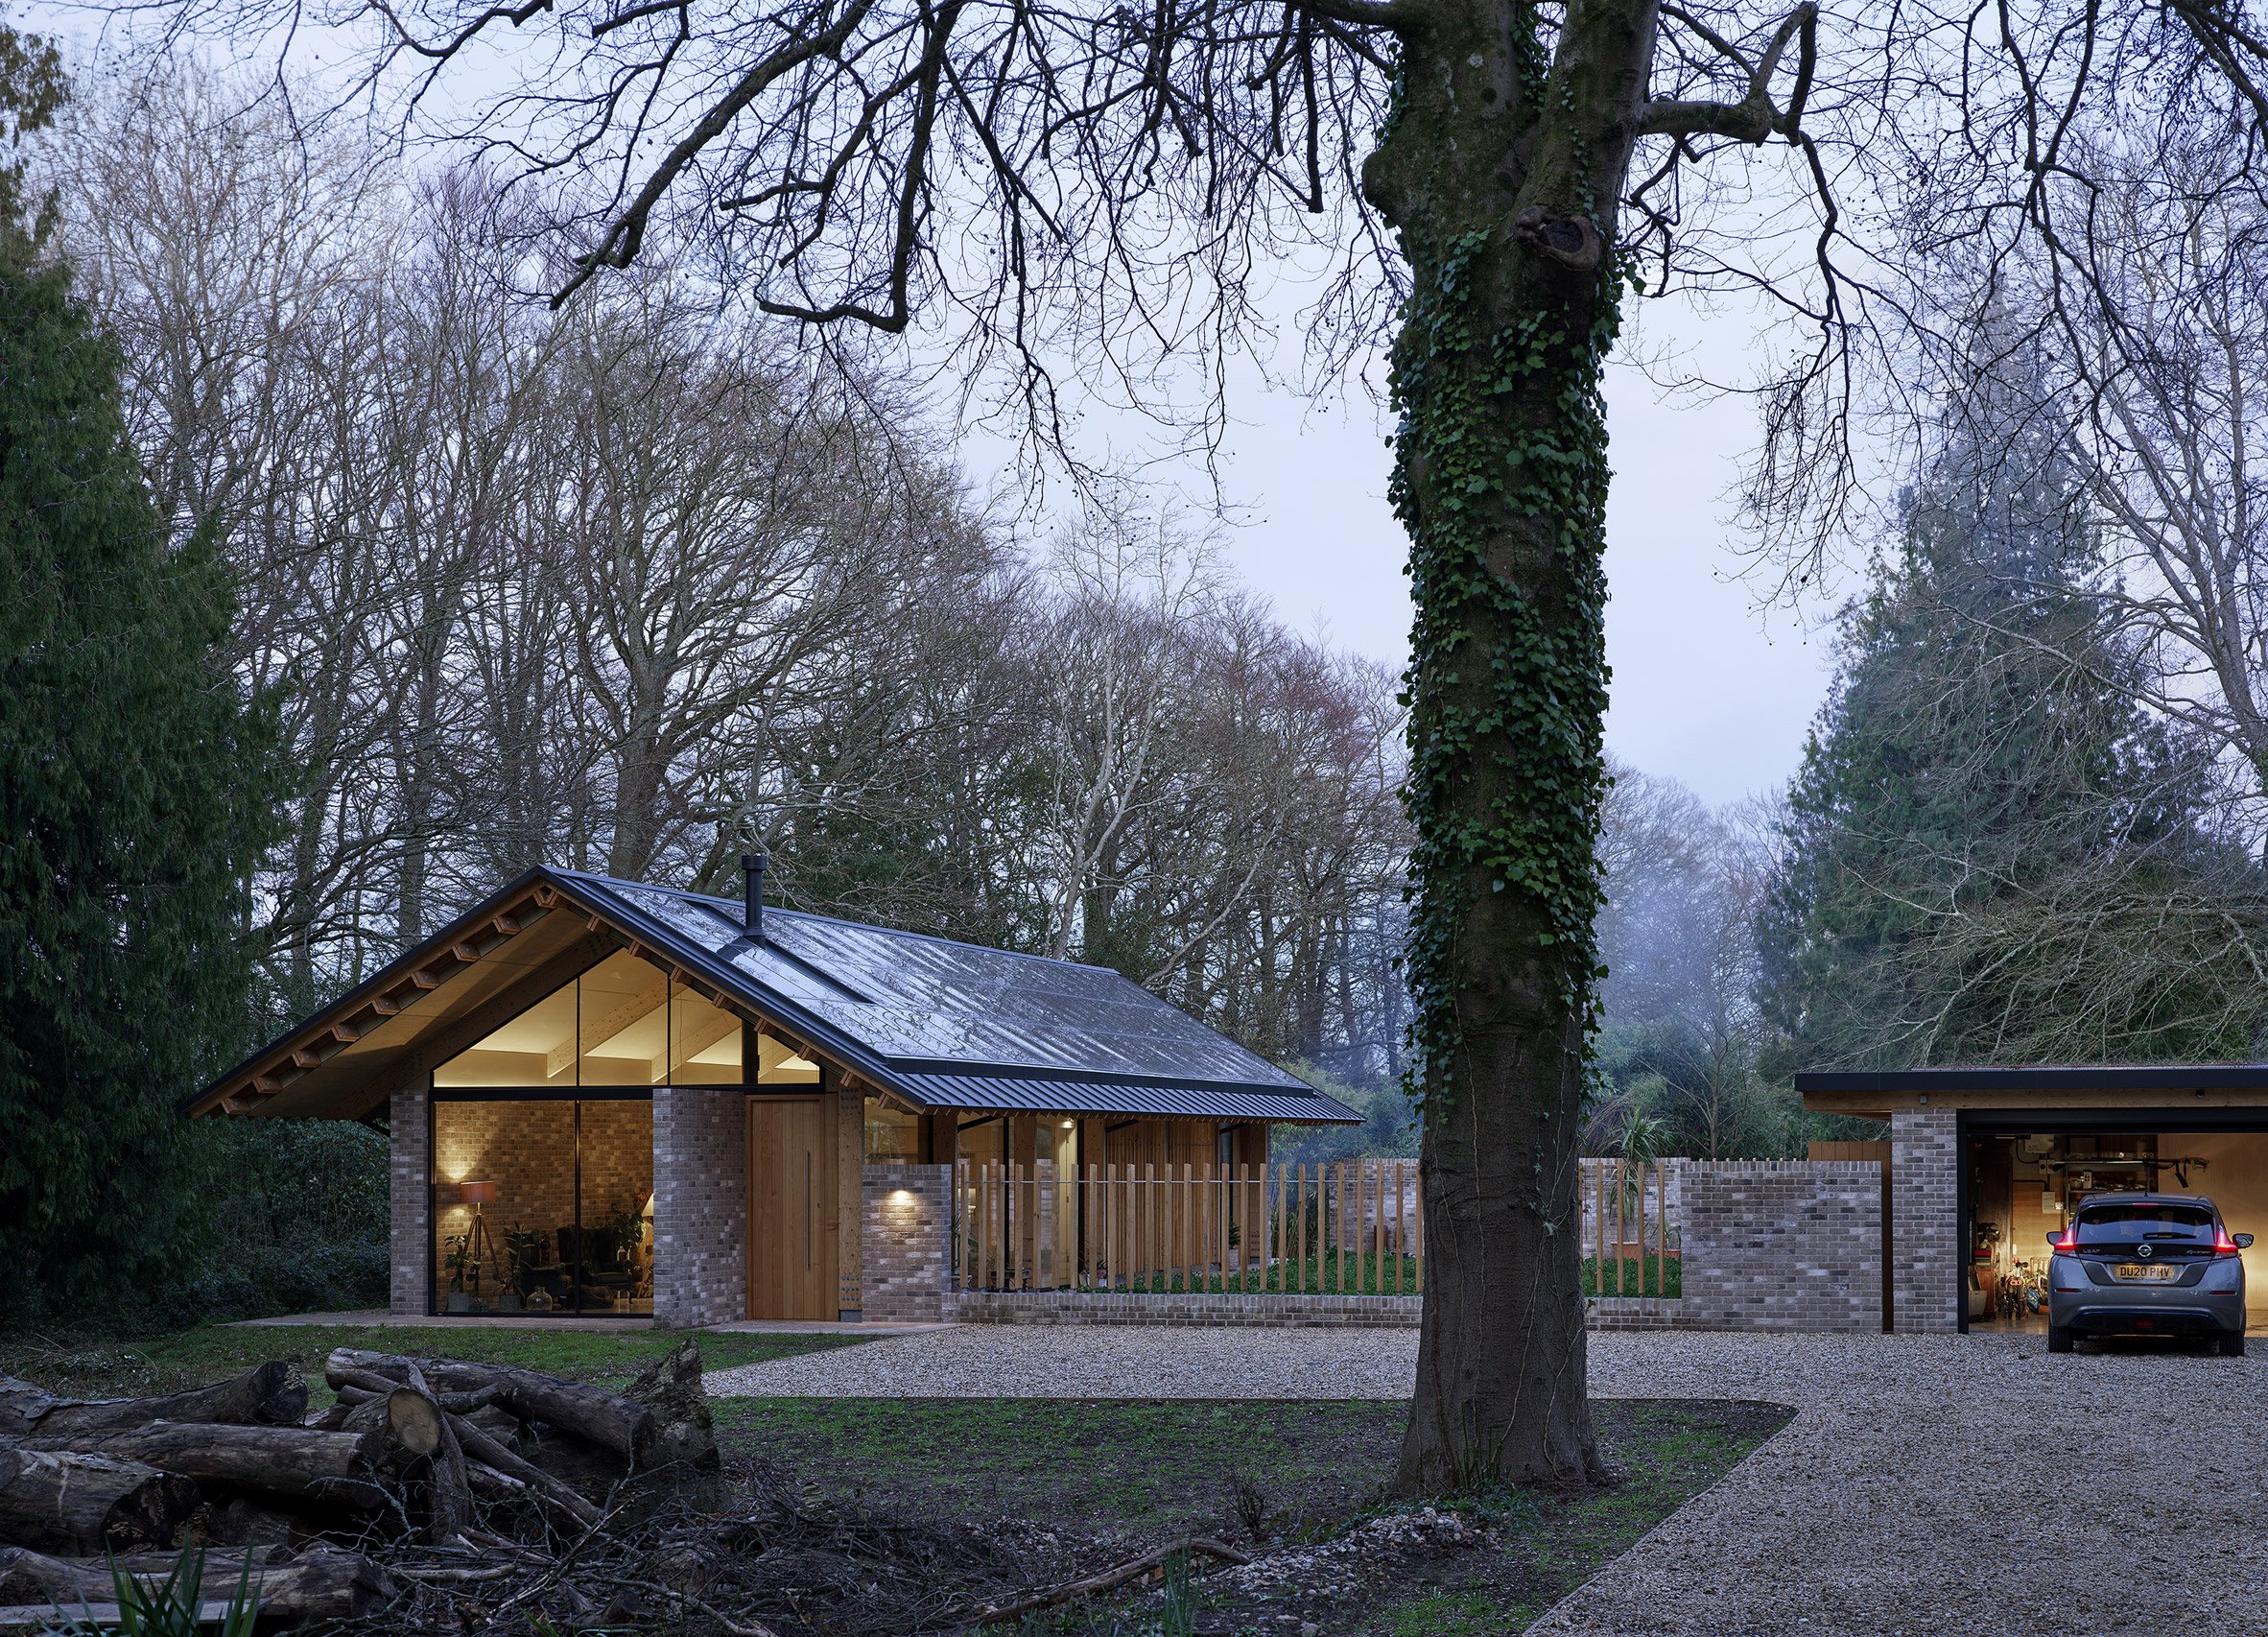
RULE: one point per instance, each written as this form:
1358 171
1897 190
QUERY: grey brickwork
1782 1245
1632 1313
906 1243
1925 1213
406 1189
700 1204
1079 1307
1261 1312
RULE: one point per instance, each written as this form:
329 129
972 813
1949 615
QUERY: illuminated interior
623 1022
543 1205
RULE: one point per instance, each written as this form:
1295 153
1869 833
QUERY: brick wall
1078 1307
700 1207
905 1241
406 1176
1782 1245
1924 1180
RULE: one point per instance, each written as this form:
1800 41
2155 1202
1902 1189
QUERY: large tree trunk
90 1502
267 1396
1500 173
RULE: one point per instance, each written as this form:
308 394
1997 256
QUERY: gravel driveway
1950 1486
1935 1487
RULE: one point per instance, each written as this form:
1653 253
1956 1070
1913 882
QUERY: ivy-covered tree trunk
1501 169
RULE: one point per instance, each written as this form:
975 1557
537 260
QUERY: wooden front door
791 1213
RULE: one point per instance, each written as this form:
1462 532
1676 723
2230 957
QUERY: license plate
2138 1272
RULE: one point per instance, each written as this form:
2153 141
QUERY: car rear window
2140 1220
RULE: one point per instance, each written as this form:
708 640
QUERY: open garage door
2024 1173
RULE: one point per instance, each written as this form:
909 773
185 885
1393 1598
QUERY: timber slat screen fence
1347 1227
1626 1205
1350 1226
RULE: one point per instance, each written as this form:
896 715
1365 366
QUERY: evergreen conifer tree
133 774
1985 822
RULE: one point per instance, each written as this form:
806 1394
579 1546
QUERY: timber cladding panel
849 1138
1782 1245
907 1241
1925 1212
700 1204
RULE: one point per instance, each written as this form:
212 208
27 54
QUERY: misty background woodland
641 584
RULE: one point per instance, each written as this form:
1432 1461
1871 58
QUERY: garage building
1984 1164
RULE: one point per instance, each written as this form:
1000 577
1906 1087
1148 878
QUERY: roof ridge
730 910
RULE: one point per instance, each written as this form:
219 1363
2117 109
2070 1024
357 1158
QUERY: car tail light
2224 1245
2064 1244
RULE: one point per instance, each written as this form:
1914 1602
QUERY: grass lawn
1147 1471
111 1368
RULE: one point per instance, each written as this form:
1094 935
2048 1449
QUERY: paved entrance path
1934 1486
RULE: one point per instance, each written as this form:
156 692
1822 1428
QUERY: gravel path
1930 1486
999 1361
1949 1487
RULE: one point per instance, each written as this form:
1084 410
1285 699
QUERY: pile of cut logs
439 1453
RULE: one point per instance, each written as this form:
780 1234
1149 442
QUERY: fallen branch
322 1583
294 1461
451 1505
273 1394
78 1502
992 1614
604 1418
491 1453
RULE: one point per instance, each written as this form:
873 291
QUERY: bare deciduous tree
1095 189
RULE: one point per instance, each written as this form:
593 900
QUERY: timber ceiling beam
309 1047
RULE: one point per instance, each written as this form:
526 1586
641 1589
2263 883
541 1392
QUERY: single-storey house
608 1097
1983 1163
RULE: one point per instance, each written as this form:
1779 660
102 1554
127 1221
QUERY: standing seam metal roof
962 1025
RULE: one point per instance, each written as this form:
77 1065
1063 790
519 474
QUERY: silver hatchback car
2146 1265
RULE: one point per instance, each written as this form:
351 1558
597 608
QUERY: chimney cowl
752 880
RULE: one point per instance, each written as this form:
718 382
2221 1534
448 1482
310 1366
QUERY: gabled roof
937 1023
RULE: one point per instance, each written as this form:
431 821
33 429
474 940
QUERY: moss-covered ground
1142 1472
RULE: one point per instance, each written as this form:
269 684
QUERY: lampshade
477 1193
648 1212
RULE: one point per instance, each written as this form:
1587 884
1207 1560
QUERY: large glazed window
543 1205
622 1023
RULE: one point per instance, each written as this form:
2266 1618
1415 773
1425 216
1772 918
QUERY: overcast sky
1709 688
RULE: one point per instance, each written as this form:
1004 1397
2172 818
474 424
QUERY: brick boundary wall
1256 1312
1782 1244
700 1204
1924 1189
407 1169
1225 1312
1632 1313
905 1241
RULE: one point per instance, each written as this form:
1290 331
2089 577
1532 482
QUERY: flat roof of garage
2249 1076
2074 1085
